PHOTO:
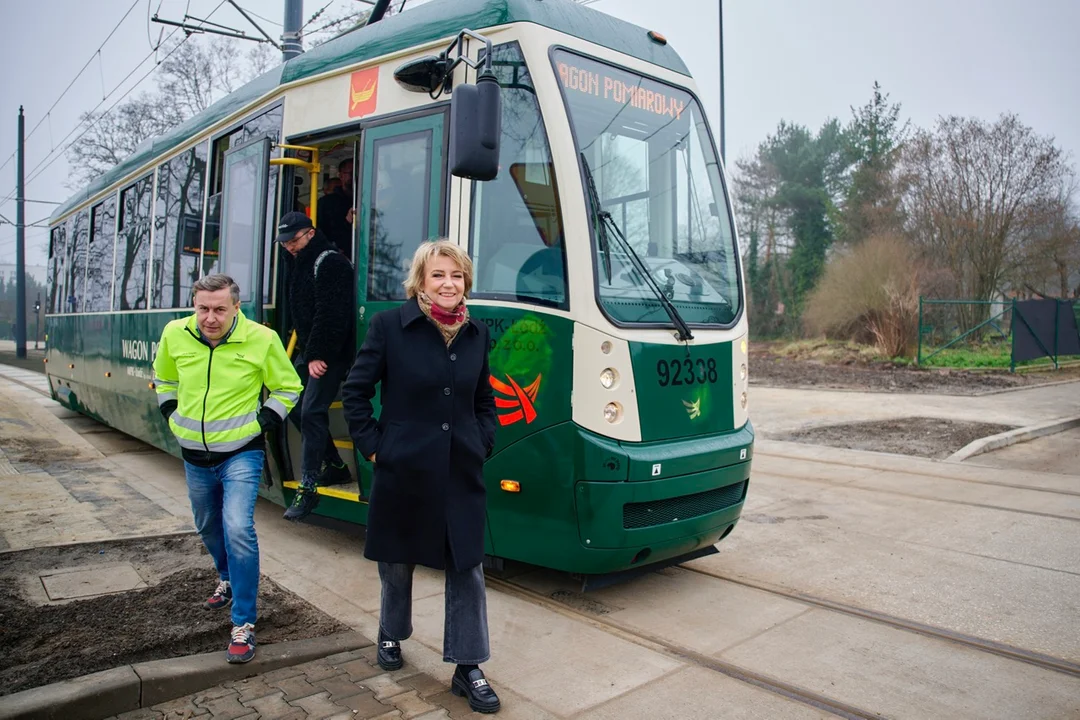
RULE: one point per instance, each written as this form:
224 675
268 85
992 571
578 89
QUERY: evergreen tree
785 196
873 141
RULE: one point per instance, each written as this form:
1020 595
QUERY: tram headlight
613 412
742 400
742 347
609 377
605 347
742 371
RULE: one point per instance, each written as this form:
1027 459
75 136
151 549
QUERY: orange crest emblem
518 403
363 92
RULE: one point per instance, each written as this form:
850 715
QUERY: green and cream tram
605 253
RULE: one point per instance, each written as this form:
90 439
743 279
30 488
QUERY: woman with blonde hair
427 504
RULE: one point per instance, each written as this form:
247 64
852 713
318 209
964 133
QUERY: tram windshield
655 171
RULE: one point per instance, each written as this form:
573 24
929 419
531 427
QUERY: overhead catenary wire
316 16
264 19
75 79
54 153
46 162
43 165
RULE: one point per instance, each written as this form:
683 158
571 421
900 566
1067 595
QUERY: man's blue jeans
223 503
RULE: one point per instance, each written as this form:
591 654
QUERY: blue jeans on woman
223 503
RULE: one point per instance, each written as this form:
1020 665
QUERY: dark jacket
322 310
428 504
332 211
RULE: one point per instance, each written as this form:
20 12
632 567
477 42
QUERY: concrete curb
111 692
103 541
1011 437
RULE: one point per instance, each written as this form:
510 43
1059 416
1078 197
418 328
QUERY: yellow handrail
313 168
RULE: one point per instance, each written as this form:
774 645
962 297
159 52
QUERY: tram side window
517 235
133 246
178 228
79 232
99 265
57 253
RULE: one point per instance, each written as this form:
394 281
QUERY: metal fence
962 326
996 333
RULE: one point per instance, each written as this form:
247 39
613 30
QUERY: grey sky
785 59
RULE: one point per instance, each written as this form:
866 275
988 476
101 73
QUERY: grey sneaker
307 497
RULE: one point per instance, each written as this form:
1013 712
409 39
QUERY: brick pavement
346 686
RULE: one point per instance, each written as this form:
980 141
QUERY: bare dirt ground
833 366
925 437
44 642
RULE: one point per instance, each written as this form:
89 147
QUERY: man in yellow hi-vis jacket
209 373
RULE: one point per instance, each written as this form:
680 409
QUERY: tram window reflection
133 246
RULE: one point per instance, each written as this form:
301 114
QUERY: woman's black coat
436 427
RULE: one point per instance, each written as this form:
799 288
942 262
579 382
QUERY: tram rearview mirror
475 122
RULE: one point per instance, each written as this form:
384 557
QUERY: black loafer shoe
475 689
389 656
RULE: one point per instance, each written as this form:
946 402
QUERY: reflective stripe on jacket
218 389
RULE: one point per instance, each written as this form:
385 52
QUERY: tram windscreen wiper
604 223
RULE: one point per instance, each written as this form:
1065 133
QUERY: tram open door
249 174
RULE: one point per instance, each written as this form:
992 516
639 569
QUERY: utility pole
20 244
723 144
291 39
37 320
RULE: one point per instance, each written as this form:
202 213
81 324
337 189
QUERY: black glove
167 408
268 420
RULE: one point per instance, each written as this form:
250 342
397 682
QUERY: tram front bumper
655 520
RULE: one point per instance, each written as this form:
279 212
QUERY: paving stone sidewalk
340 687
59 489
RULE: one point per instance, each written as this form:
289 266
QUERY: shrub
872 290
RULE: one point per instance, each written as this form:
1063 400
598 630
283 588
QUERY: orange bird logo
363 92
518 403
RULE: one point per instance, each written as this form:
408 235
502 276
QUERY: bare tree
194 74
976 189
1048 259
115 135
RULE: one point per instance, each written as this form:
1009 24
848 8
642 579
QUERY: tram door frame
251 289
375 136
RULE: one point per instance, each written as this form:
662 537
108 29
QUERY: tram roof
418 26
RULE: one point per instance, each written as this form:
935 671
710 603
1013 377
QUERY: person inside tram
336 211
429 443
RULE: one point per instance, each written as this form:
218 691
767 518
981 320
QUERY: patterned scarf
449 322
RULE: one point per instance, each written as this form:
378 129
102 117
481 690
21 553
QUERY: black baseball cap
290 224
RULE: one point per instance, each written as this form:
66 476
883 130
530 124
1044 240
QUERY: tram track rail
1011 652
776 686
653 642
916 496
919 472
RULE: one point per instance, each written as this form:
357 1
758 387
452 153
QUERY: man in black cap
320 301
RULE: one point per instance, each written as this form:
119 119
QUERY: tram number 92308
686 372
